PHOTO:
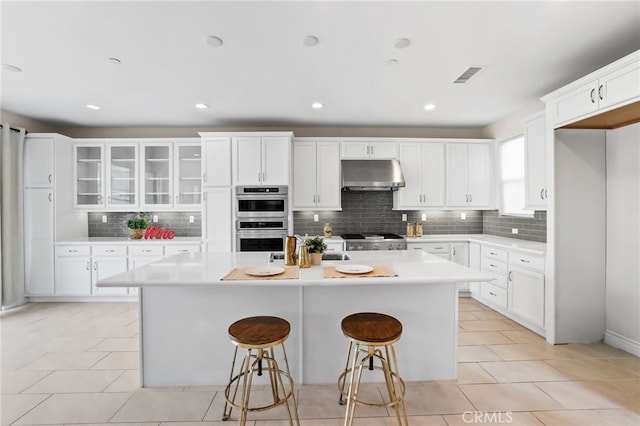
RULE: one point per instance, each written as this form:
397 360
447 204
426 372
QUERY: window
512 177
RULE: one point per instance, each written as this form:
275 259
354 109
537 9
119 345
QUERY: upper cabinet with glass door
122 176
188 175
88 176
156 176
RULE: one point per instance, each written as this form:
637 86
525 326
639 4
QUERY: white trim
619 341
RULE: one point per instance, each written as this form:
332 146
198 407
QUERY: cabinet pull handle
87 266
509 277
493 294
545 194
438 248
50 179
542 194
108 199
493 254
453 249
372 149
318 199
50 196
600 92
204 196
73 251
470 198
258 176
95 266
493 266
367 149
177 199
146 251
524 261
204 177
593 92
264 176
109 251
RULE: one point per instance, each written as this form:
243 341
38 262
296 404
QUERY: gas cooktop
372 236
374 241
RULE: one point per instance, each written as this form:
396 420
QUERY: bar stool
259 336
368 332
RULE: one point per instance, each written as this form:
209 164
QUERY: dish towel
240 274
378 272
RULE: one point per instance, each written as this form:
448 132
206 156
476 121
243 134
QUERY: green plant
137 223
316 244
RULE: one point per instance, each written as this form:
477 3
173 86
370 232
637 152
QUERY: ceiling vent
468 74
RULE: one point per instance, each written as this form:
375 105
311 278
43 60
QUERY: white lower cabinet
105 267
334 245
73 271
494 262
526 288
460 255
474 264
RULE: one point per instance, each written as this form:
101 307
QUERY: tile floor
77 363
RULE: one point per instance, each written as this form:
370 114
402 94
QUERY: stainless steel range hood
372 175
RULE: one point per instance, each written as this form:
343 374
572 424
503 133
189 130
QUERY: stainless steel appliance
262 201
374 241
261 218
372 175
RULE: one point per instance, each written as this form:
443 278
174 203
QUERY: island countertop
207 269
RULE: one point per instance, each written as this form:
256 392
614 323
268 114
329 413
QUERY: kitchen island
186 309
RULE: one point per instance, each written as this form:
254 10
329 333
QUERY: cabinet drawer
494 295
74 250
494 266
527 261
499 280
170 250
334 245
147 250
495 253
114 250
435 248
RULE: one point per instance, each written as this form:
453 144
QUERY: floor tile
592 369
476 354
588 417
13 382
466 338
74 381
469 373
111 344
497 418
129 381
119 361
164 406
526 351
65 361
632 363
594 350
486 325
488 315
466 316
75 408
509 397
523 336
579 395
522 371
15 406
471 307
436 398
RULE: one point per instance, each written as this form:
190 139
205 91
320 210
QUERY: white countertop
125 240
509 243
207 269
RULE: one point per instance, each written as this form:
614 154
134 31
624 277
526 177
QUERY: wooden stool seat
372 328
259 332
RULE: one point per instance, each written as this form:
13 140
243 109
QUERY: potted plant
136 225
316 248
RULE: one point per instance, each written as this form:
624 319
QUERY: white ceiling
263 75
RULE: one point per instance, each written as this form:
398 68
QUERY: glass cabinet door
189 175
122 175
157 175
89 175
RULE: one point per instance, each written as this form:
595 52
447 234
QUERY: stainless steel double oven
261 217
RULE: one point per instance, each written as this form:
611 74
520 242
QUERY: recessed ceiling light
93 106
401 43
214 41
316 105
202 106
12 68
114 61
429 107
310 41
392 62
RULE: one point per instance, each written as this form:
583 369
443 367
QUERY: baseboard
618 341
40 299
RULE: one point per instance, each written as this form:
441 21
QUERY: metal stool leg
344 378
293 394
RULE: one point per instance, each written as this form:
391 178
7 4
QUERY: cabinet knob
524 261
50 196
542 194
591 96
492 293
509 277
50 179
600 92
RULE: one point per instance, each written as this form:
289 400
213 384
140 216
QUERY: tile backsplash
116 225
372 212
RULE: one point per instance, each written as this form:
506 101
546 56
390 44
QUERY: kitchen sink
325 256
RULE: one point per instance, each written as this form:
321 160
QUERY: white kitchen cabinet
495 262
173 249
187 176
38 162
316 172
366 149
108 260
474 264
535 171
440 249
614 85
218 223
261 160
334 245
460 255
216 154
39 239
121 176
469 172
156 176
88 177
73 270
526 288
423 169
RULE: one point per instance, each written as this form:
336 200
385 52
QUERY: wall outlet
316 218
192 219
155 218
424 217
463 216
104 218
404 217
514 230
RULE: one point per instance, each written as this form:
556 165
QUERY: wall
622 311
30 124
116 225
372 212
